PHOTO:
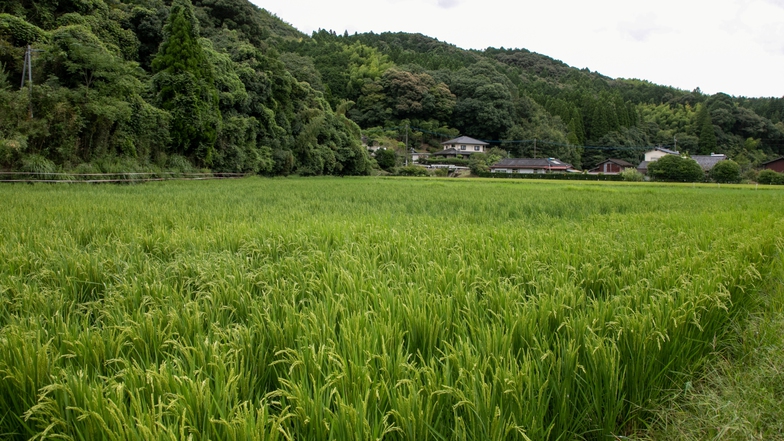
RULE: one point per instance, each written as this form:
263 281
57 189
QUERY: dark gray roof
708 161
530 163
772 161
620 162
465 140
668 151
447 152
643 165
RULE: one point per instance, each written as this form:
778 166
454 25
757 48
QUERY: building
653 155
611 166
776 165
708 161
659 152
465 145
531 165
416 156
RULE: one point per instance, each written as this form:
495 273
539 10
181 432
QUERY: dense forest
123 85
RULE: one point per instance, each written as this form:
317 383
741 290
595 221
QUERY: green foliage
386 158
19 31
632 175
707 136
481 162
411 170
727 171
246 96
185 85
675 168
770 177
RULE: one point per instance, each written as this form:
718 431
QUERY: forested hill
222 84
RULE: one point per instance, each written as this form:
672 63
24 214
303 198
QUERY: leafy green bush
38 164
20 31
386 158
674 168
632 175
770 177
726 172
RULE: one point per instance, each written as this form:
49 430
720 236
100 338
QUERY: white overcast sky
731 46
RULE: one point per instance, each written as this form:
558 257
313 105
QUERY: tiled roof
549 163
708 161
620 162
772 161
668 151
453 152
465 140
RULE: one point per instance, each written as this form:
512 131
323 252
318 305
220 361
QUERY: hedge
557 176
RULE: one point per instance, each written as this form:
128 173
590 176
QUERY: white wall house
465 144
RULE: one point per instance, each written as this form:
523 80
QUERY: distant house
775 165
708 161
659 152
463 145
416 156
611 166
653 155
531 165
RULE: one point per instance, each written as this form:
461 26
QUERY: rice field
367 309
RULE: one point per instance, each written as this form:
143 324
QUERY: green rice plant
368 308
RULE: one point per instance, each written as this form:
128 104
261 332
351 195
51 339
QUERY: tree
707 135
386 158
770 177
185 86
726 172
674 168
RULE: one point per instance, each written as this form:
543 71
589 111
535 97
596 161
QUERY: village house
611 166
776 165
531 165
708 161
653 155
463 146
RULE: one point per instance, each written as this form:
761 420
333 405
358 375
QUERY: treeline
221 84
394 79
146 84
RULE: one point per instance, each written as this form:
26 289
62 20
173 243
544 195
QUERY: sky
730 46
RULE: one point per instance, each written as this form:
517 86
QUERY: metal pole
406 145
24 68
30 77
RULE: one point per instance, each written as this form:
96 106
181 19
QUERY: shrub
674 168
632 175
726 172
386 158
411 170
770 177
440 172
38 164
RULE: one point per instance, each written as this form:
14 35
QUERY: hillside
239 89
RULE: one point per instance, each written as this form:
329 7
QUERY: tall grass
366 309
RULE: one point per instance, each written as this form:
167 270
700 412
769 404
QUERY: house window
462 147
476 148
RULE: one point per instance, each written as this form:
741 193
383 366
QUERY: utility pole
406 145
675 141
534 147
28 69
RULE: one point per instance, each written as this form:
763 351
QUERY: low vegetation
328 308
